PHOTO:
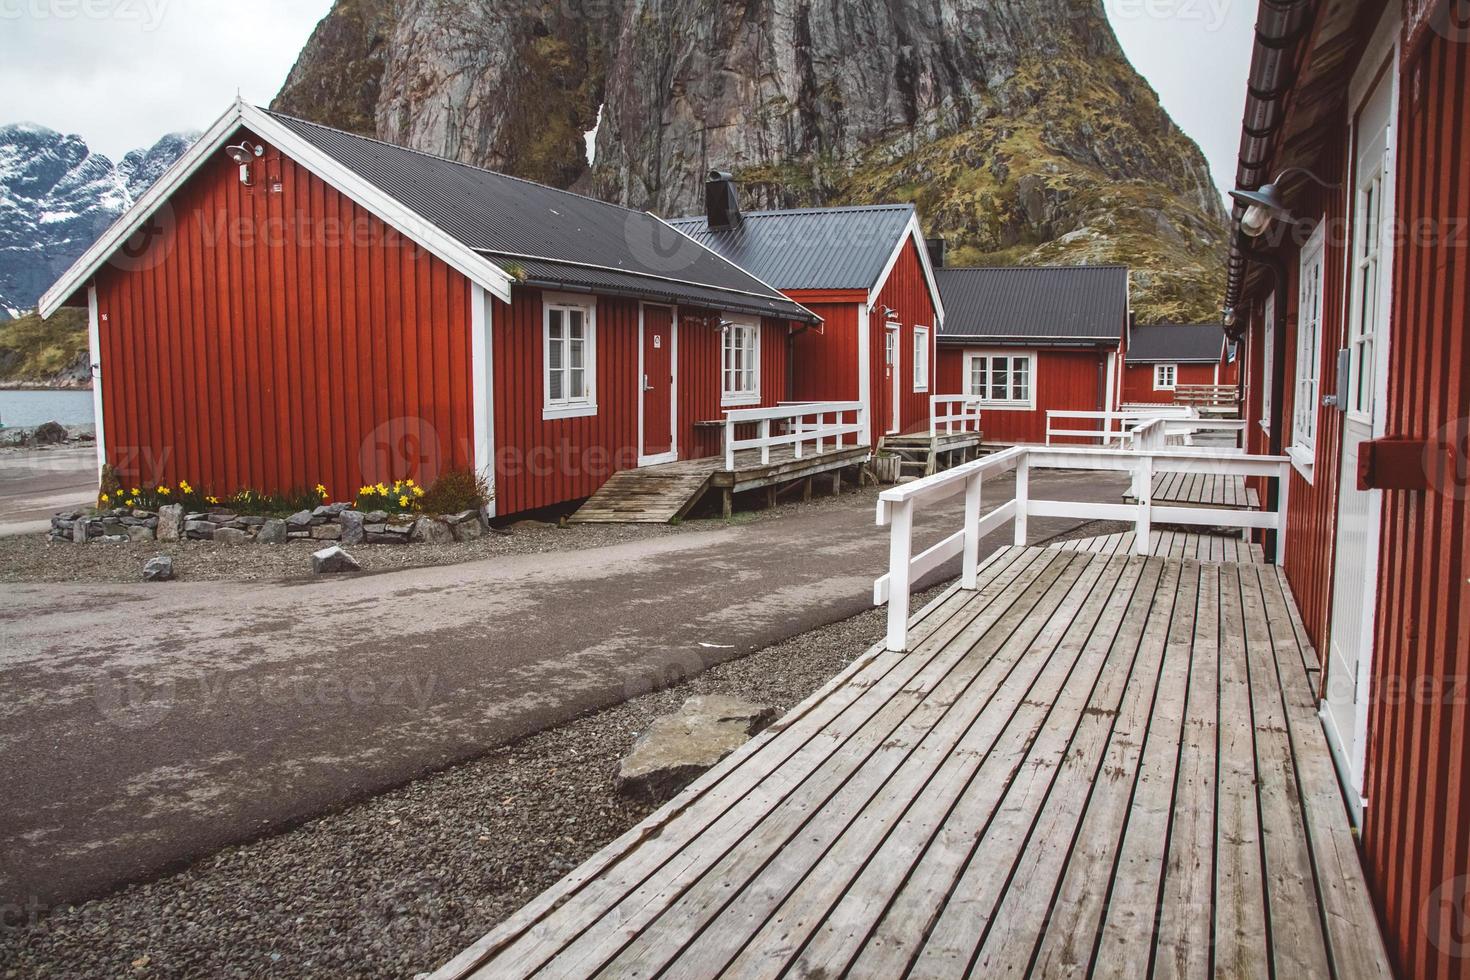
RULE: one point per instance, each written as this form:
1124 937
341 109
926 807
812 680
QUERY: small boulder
426 530
160 569
231 535
170 522
326 532
140 532
353 527
469 530
299 520
272 531
678 747
79 532
332 560
48 434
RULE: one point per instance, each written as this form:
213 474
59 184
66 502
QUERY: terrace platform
1089 765
1173 544
1203 490
665 492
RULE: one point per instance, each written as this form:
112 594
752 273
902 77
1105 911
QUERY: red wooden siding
907 292
1415 839
276 340
1066 380
1138 382
827 362
542 463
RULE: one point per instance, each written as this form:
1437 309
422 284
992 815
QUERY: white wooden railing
898 506
1116 424
794 425
953 414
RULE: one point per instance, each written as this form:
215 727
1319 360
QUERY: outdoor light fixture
1265 204
1229 316
889 313
243 154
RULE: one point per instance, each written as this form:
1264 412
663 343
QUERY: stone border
329 523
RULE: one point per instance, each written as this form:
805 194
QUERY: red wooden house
1348 284
293 305
1159 358
866 271
1028 341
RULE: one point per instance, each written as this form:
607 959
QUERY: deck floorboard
1094 764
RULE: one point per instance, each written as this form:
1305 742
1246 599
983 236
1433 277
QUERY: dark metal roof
518 223
1176 343
812 248
1035 305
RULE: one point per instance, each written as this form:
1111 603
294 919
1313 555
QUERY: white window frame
1268 345
1307 394
1009 404
1160 384
567 407
921 359
745 394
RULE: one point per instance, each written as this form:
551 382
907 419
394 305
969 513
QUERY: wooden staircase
648 495
924 455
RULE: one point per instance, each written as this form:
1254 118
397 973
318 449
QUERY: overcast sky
121 73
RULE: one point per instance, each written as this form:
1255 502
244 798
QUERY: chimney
938 251
721 202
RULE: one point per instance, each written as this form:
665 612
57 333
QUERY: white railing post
1143 527
971 560
1023 499
729 445
765 427
1283 498
900 553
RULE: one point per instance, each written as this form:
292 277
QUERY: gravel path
399 884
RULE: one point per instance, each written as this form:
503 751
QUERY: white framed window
740 362
1001 379
1307 394
921 358
1166 377
569 355
1268 344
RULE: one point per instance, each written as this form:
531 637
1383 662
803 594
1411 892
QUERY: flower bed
329 522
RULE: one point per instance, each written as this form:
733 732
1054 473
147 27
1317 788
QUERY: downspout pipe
1277 268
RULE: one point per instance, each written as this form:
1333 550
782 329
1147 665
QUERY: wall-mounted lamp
1265 204
1230 316
243 154
889 314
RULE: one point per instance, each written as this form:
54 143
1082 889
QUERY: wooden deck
1173 544
1205 490
659 494
1093 765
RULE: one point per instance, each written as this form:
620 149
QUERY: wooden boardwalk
1173 544
1204 490
661 493
1093 765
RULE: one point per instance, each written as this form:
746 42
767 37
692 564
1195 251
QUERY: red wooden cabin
866 271
1026 341
1348 284
1159 358
331 309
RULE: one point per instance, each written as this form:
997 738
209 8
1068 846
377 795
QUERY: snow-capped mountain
57 197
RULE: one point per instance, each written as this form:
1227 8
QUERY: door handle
646 385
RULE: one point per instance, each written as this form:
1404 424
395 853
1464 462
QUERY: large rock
140 532
352 527
273 531
48 434
678 747
160 569
170 522
332 560
231 535
300 520
429 531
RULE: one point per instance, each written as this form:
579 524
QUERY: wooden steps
648 495
923 455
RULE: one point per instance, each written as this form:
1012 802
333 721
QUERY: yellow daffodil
402 501
184 487
136 491
105 498
408 483
382 490
418 491
212 500
163 491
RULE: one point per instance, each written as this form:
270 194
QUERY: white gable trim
453 252
913 233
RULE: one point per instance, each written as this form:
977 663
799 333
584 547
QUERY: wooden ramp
659 494
1093 765
1204 490
1173 544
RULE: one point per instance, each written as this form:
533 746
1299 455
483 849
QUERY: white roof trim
453 252
913 233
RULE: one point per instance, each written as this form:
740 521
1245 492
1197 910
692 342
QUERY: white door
895 393
1354 586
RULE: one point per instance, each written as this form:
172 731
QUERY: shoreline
41 386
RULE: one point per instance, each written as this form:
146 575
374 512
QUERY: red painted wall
907 292
276 340
541 463
826 362
1138 382
1066 380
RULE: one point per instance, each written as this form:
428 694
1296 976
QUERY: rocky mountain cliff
57 197
1017 126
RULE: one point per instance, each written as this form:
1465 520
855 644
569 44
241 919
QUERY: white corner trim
483 380
913 233
453 252
94 344
864 366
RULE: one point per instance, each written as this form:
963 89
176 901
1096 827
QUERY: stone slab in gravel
160 569
333 560
401 883
678 747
